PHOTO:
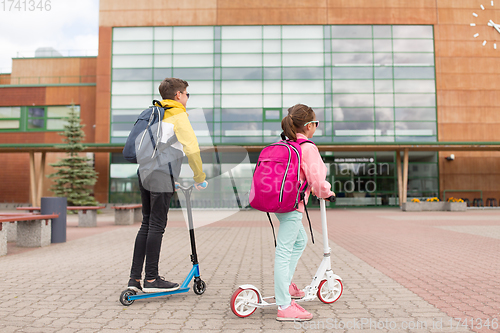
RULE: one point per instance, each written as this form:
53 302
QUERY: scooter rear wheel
330 295
199 287
240 300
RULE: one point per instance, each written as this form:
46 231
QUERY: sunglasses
316 122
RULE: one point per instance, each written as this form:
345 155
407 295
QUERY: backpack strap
303 194
272 226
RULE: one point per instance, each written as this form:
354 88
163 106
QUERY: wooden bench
128 214
87 215
32 230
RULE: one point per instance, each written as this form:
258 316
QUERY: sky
69 26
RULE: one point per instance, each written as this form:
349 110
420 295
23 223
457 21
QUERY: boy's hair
170 86
293 123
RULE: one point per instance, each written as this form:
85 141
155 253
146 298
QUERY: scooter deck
149 295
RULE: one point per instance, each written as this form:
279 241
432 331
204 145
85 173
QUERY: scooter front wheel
240 300
329 295
124 297
199 287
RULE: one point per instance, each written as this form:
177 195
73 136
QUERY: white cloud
67 26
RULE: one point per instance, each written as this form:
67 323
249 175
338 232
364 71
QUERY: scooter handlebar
203 185
331 198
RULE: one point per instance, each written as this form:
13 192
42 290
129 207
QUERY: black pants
149 237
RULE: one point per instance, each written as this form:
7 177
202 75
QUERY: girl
300 123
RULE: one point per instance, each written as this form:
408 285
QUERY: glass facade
366 83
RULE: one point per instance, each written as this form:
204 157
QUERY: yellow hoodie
184 132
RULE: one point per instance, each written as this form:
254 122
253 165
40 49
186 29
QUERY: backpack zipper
287 166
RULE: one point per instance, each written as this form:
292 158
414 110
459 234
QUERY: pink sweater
314 171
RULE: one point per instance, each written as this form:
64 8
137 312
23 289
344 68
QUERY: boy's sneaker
294 312
159 286
134 285
295 292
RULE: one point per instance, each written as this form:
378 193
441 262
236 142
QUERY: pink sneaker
293 313
295 292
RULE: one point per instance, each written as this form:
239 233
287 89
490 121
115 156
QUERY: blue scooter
128 296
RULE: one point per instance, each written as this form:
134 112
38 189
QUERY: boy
157 184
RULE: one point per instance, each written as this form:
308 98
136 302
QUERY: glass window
352 114
242 129
162 60
201 87
414 72
383 86
302 73
313 100
161 73
194 73
382 59
272 86
272 100
412 31
135 33
132 88
188 60
242 73
426 59
302 32
131 102
132 74
303 87
273 73
241 87
272 46
272 32
382 31
353 100
413 45
417 114
163 47
403 100
9 124
303 59
384 128
193 33
10 112
272 114
352 58
419 128
418 86
163 33
272 60
384 100
382 45
241 60
241 32
352 45
352 86
201 101
199 46
352 72
383 72
241 46
61 111
386 114
132 61
351 31
302 46
238 101
354 129
133 47
241 114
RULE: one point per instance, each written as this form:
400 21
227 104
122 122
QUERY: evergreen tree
76 176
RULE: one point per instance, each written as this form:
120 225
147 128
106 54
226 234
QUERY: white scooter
325 285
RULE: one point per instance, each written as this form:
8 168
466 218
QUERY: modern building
384 77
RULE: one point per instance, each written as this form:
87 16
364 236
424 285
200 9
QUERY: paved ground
402 272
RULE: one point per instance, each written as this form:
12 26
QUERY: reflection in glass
386 114
352 58
302 46
136 33
239 101
414 86
352 72
193 33
193 47
414 72
412 31
290 73
241 87
352 86
413 45
131 88
241 60
416 114
273 46
303 59
134 47
194 73
303 87
10 112
188 60
353 100
402 100
241 32
353 114
241 46
351 31
134 74
382 45
352 45
132 61
382 31
302 32
242 114
414 58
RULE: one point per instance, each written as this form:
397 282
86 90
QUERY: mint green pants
291 242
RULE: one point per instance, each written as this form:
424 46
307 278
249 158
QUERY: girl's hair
293 123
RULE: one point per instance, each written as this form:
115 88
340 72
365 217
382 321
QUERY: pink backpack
276 186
